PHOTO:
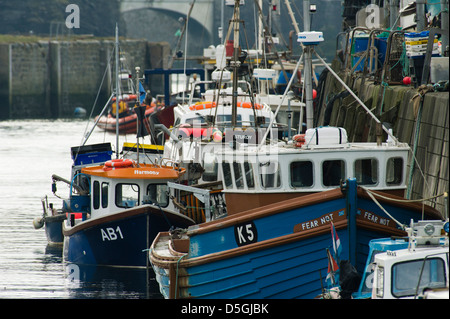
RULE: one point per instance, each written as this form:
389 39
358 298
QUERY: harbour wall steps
49 79
424 126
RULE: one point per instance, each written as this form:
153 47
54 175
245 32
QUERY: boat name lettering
322 220
110 233
364 214
138 172
245 234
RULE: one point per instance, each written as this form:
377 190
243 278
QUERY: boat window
405 276
226 118
227 174
333 172
366 171
195 120
301 174
157 194
265 124
210 167
96 195
248 170
105 187
394 171
270 174
127 195
239 179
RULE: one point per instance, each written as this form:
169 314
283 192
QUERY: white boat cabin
115 186
408 273
282 169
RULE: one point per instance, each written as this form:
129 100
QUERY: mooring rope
382 208
403 227
404 200
176 278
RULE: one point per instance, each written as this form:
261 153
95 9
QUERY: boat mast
117 91
307 49
138 105
235 61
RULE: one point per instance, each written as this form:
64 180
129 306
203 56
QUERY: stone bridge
159 20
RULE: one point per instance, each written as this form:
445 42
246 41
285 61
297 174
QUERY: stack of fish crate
416 44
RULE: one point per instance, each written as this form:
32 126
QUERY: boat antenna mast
117 90
309 39
235 61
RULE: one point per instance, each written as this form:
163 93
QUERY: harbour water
30 152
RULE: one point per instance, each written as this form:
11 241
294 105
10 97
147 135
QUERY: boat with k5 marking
276 251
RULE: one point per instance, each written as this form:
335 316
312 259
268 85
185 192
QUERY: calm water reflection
30 152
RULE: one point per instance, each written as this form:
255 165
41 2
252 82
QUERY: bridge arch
158 21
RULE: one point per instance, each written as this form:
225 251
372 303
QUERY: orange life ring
248 105
207 105
119 163
299 140
202 105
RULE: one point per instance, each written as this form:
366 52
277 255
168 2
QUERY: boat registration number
245 234
110 233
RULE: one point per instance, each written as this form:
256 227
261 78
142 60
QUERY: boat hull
119 239
128 125
276 251
53 229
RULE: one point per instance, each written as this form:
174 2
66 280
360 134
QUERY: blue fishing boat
116 207
276 251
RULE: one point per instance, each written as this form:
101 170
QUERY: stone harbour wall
49 79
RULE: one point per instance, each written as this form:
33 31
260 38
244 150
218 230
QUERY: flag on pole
336 242
332 273
142 93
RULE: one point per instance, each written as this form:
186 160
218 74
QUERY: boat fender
184 132
38 222
198 132
118 163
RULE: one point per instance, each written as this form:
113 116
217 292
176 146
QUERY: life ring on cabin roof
207 105
299 140
202 105
119 163
248 105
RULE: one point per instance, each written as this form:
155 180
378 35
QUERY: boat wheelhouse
203 128
256 176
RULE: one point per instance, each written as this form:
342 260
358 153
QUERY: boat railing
422 271
164 161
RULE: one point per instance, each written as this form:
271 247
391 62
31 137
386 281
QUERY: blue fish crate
91 154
